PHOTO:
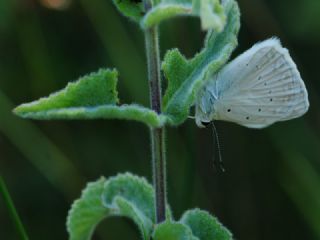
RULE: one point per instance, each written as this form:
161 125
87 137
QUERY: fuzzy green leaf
204 226
91 90
131 196
124 112
132 9
210 12
173 231
166 10
130 210
125 195
87 212
91 97
187 77
132 188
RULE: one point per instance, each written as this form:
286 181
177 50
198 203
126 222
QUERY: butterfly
258 88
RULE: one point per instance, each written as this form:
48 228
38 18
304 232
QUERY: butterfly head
202 122
202 118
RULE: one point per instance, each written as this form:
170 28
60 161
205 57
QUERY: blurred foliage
271 187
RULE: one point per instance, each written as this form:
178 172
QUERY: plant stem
157 134
13 212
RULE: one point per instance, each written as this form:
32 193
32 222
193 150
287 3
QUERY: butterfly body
258 88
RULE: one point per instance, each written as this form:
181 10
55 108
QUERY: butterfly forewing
258 88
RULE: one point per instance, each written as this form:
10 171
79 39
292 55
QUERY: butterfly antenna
220 161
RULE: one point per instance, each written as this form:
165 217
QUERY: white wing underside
260 87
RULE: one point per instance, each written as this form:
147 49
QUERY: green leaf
129 210
125 112
210 12
89 91
187 77
132 9
91 97
131 196
204 226
87 212
125 195
173 231
166 10
92 90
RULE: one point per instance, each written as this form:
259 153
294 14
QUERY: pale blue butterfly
258 88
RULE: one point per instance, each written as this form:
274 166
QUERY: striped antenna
218 163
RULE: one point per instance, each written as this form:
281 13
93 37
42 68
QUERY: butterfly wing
258 88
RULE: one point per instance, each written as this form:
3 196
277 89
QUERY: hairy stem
157 134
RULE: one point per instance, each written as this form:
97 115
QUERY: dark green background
271 189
